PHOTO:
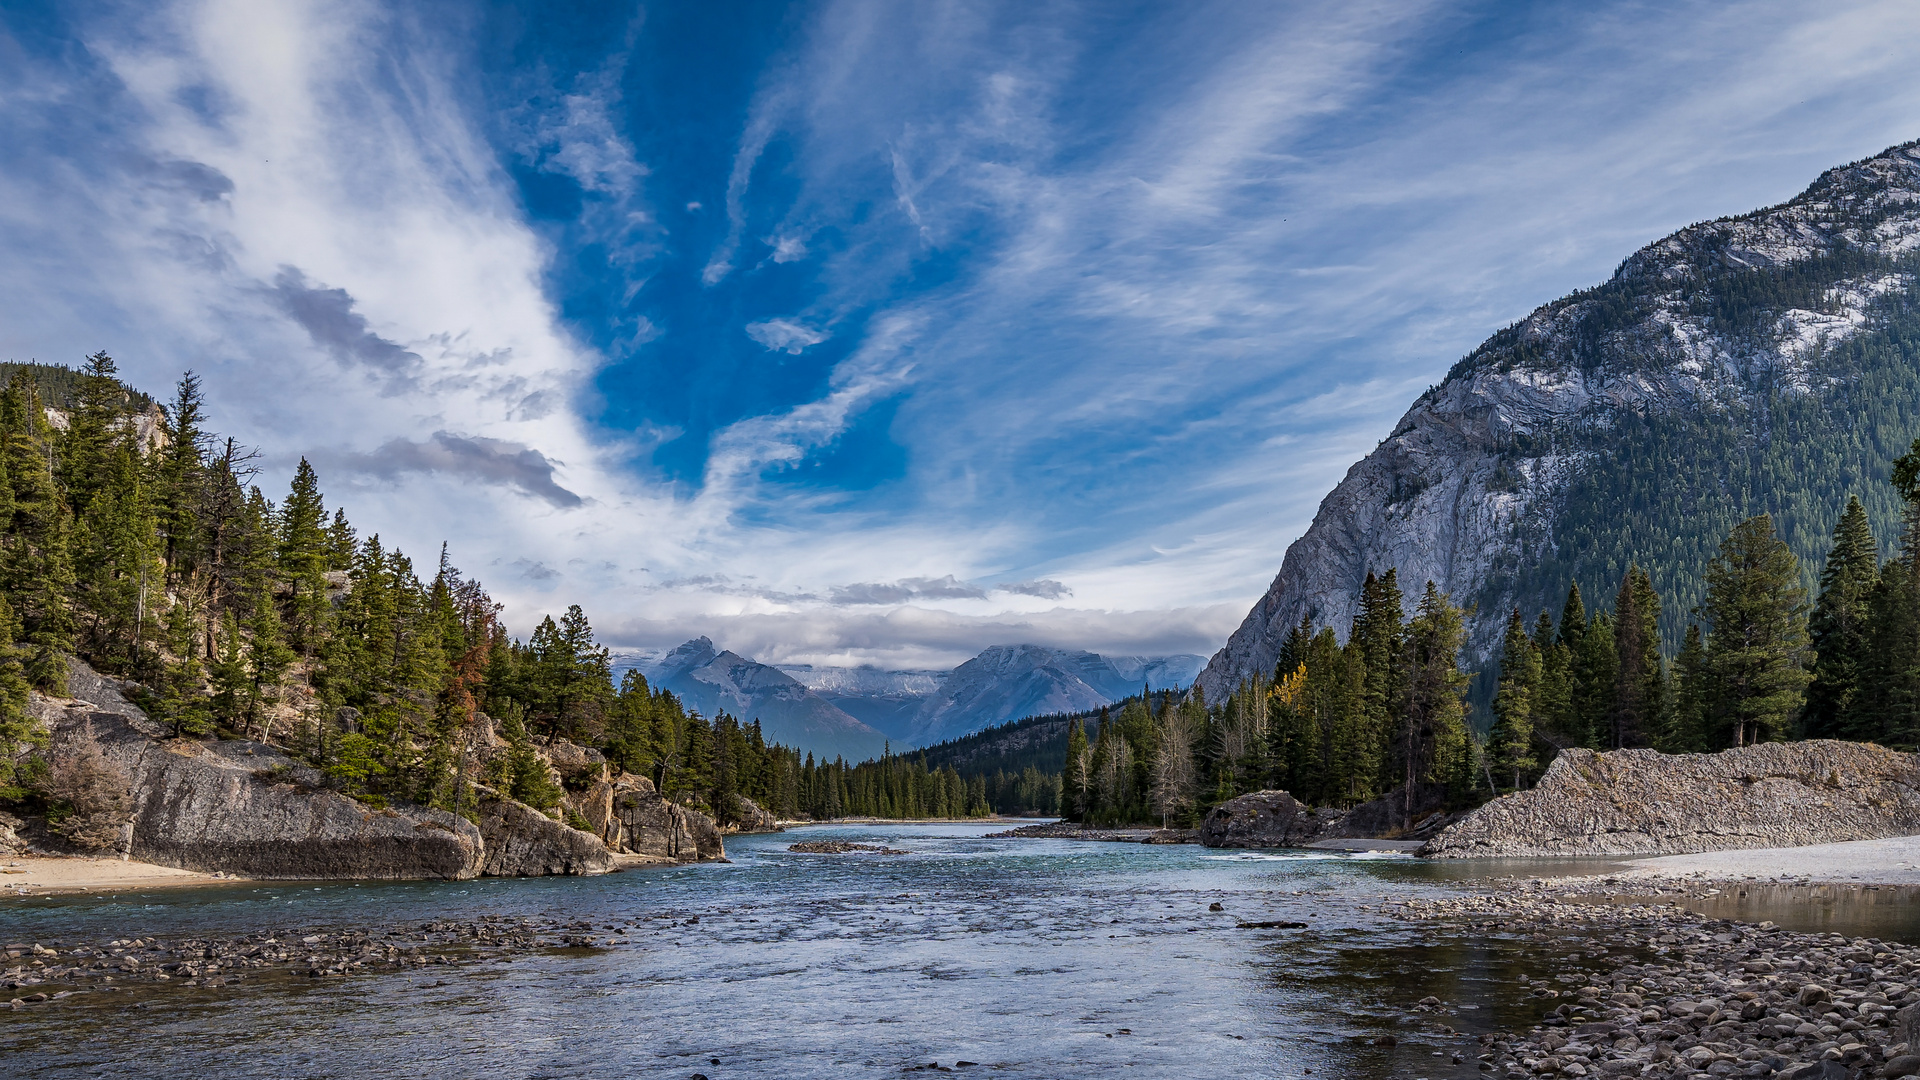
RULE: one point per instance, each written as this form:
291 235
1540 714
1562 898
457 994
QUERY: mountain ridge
1760 362
800 704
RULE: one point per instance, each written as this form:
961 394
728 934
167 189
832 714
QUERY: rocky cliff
247 808
1764 362
1641 802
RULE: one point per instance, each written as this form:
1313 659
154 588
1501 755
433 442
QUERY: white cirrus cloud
785 335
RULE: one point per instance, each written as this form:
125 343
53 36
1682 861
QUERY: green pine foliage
1662 488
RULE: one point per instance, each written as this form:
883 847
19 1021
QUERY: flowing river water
1027 958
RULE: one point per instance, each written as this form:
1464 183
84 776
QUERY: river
1029 958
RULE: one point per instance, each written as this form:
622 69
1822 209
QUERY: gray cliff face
523 842
1471 488
631 818
1641 802
246 808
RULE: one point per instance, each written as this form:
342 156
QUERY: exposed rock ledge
1642 802
1275 819
247 808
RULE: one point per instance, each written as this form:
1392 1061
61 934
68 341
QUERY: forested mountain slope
1763 363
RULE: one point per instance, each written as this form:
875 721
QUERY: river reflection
1031 958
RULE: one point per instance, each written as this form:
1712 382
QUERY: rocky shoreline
46 972
1068 830
1687 995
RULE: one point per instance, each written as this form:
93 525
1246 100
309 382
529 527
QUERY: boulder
630 817
246 808
1386 817
1642 802
523 842
575 764
748 817
1264 819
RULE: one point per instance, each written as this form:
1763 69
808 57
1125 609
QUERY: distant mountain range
1008 682
856 712
709 681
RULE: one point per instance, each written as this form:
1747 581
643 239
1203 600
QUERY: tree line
134 538
1385 711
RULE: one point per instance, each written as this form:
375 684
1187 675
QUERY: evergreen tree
1692 689
38 567
1756 607
1077 780
1838 627
1432 744
1510 740
1595 670
1634 719
18 730
304 554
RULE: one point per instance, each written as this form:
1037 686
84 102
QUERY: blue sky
870 332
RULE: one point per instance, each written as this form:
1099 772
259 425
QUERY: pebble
1687 996
215 962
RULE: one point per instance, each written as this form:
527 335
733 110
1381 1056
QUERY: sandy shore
30 875
1871 862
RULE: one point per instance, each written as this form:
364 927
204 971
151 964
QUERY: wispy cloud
328 317
785 335
464 458
1112 302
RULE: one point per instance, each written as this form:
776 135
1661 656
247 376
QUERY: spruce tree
1837 629
303 554
1685 731
1432 743
18 729
1594 670
38 567
1510 740
1757 611
1886 705
1376 643
94 427
1634 718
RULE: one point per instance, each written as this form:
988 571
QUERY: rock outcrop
1491 485
523 842
1642 802
631 818
1264 819
248 808
1272 819
245 807
750 817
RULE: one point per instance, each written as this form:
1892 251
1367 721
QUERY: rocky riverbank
1068 830
48 972
1674 994
238 807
